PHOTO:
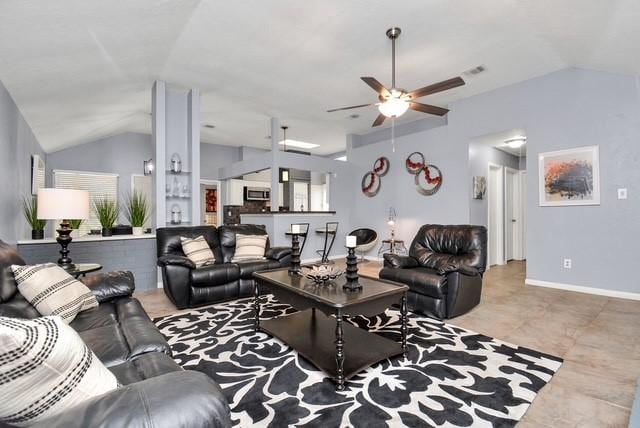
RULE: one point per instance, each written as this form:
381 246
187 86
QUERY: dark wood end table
318 331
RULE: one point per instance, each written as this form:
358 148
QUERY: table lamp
391 221
63 205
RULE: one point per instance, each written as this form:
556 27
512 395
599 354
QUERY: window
99 185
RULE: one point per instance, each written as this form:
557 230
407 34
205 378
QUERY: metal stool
330 229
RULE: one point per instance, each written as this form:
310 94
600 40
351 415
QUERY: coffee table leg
403 316
339 351
256 306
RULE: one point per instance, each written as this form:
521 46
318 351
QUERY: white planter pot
75 233
138 230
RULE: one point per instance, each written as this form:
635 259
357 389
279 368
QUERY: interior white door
495 223
511 215
523 215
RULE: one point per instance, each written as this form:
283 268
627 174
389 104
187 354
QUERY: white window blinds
99 185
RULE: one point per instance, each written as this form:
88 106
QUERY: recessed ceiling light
298 144
516 142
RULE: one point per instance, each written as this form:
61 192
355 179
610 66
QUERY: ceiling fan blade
348 108
381 117
377 86
437 87
426 108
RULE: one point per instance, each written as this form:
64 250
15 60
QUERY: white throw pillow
250 247
45 369
53 291
198 251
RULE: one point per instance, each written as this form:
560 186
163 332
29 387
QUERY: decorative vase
107 231
137 230
37 234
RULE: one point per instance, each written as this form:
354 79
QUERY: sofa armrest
174 260
463 269
399 262
183 399
277 253
107 286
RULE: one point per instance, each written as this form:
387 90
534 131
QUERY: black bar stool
330 231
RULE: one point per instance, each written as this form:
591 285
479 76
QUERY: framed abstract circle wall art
414 162
370 184
428 180
569 177
381 166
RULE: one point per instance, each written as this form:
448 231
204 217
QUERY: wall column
275 163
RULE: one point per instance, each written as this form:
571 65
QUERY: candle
295 228
351 241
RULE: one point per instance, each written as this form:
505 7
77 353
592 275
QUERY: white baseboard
159 285
583 289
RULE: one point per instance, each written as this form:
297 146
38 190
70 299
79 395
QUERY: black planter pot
37 234
107 232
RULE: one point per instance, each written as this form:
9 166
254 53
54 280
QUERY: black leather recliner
443 270
155 390
187 286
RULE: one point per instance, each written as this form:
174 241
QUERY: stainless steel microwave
256 193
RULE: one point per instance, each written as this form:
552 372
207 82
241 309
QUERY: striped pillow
249 247
45 369
53 291
198 251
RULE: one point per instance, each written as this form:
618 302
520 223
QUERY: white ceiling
83 69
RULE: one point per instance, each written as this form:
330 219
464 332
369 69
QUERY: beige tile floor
597 336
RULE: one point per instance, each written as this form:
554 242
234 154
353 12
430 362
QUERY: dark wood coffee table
318 331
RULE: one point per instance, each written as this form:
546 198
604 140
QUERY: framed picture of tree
569 177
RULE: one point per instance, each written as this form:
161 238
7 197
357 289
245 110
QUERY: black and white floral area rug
452 377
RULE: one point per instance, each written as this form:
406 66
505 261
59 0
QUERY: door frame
218 185
499 210
523 213
517 213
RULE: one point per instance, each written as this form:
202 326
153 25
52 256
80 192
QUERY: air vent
354 116
475 70
209 126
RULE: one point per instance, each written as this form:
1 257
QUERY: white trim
583 289
500 212
159 285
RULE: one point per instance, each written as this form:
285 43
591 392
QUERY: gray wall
17 144
568 108
480 155
214 156
135 255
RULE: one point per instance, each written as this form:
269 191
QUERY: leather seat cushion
248 267
212 275
420 280
144 367
119 331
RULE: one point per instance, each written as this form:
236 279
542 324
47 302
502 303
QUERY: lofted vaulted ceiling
83 69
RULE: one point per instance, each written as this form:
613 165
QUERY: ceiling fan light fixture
393 107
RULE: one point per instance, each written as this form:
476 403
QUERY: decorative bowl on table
322 274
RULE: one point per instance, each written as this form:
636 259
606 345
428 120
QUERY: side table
82 269
393 246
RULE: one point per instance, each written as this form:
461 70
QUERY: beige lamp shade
63 204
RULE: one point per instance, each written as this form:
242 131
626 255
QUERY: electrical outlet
622 193
567 264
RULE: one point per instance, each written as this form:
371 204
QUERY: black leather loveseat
155 391
187 286
443 270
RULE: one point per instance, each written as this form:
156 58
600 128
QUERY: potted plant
75 226
137 210
30 209
107 211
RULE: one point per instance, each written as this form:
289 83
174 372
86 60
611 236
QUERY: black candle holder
352 270
295 254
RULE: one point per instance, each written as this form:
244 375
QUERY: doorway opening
211 203
501 206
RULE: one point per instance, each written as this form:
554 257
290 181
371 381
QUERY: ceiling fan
395 102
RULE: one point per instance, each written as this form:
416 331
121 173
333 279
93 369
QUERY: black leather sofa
155 391
187 286
443 270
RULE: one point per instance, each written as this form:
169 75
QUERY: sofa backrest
168 239
12 304
228 237
436 245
